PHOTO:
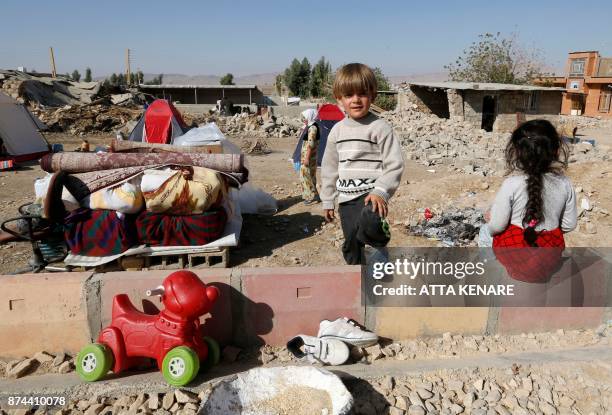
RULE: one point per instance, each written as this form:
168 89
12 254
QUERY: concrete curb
63 311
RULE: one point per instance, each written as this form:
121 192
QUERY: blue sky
250 37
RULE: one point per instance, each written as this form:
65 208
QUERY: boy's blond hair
355 78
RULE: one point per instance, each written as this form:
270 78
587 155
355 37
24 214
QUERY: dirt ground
296 234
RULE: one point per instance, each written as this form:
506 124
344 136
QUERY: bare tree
498 59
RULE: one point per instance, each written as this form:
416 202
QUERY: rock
585 204
415 399
387 383
153 402
493 396
59 359
123 402
230 353
43 357
402 403
424 394
168 401
590 228
183 396
140 400
416 410
484 186
479 384
83 405
174 408
94 409
454 385
266 357
469 399
566 401
395 411
447 337
20 369
374 352
522 393
456 408
65 367
547 408
479 403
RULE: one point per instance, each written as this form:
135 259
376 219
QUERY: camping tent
327 116
19 131
160 123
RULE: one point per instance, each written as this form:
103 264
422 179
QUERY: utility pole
53 71
127 65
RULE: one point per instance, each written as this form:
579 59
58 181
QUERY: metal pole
127 66
53 71
195 94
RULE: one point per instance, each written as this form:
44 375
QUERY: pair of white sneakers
331 346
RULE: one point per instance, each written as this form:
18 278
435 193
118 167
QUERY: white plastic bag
201 136
254 200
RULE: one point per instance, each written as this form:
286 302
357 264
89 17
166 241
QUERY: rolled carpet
123 146
74 162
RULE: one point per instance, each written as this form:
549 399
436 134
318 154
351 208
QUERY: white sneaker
348 331
329 351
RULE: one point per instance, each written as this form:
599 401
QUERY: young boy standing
362 164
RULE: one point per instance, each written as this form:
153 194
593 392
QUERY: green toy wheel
214 353
94 361
180 366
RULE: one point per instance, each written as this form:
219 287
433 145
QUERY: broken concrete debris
456 227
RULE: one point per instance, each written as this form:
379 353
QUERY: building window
532 105
577 67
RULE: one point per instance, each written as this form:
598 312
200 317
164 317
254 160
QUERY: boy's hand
378 204
330 215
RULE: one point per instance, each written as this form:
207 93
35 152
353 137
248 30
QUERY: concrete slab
400 323
284 302
42 312
526 319
136 283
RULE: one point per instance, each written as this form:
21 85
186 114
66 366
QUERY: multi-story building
588 84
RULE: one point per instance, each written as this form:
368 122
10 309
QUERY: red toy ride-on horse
171 337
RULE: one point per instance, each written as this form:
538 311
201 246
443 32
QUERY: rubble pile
434 141
457 227
45 90
582 122
257 126
85 119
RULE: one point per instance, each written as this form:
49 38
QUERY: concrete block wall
64 311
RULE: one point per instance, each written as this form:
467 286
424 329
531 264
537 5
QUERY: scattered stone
416 410
394 411
65 367
43 357
168 401
59 359
184 396
20 369
140 400
401 402
153 402
374 352
484 186
94 409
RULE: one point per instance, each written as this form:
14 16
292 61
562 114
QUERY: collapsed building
489 106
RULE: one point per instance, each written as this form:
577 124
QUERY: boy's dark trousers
360 226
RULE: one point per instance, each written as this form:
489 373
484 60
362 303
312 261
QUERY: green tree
140 77
320 78
113 79
88 77
121 79
385 101
76 76
227 79
494 58
297 77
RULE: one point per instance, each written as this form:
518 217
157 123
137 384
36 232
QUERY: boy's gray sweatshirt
361 156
